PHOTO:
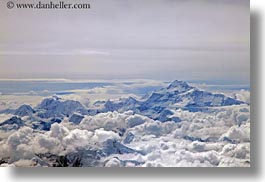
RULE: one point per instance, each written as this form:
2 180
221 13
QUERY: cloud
105 90
198 140
243 95
77 139
236 133
118 39
54 52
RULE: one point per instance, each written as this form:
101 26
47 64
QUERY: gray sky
158 39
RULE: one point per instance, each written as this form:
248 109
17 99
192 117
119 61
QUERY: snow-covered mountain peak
56 107
24 110
179 86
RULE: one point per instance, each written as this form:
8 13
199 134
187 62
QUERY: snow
24 110
172 137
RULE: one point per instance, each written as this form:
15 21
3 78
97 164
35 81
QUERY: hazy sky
158 39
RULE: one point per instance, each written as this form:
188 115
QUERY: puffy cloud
45 144
236 150
243 95
113 162
77 138
58 131
238 133
212 124
108 121
100 135
19 144
209 158
198 140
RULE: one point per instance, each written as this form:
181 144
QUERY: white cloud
55 52
243 95
241 134
159 144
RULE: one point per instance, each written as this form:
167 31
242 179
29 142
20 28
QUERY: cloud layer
201 139
124 39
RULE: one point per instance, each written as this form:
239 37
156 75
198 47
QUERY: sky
122 39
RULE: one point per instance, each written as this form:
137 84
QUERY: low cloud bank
219 138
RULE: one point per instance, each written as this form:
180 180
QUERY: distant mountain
181 95
178 94
123 104
49 111
158 105
55 107
14 123
76 118
24 110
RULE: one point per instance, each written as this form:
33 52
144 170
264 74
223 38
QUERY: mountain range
157 105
